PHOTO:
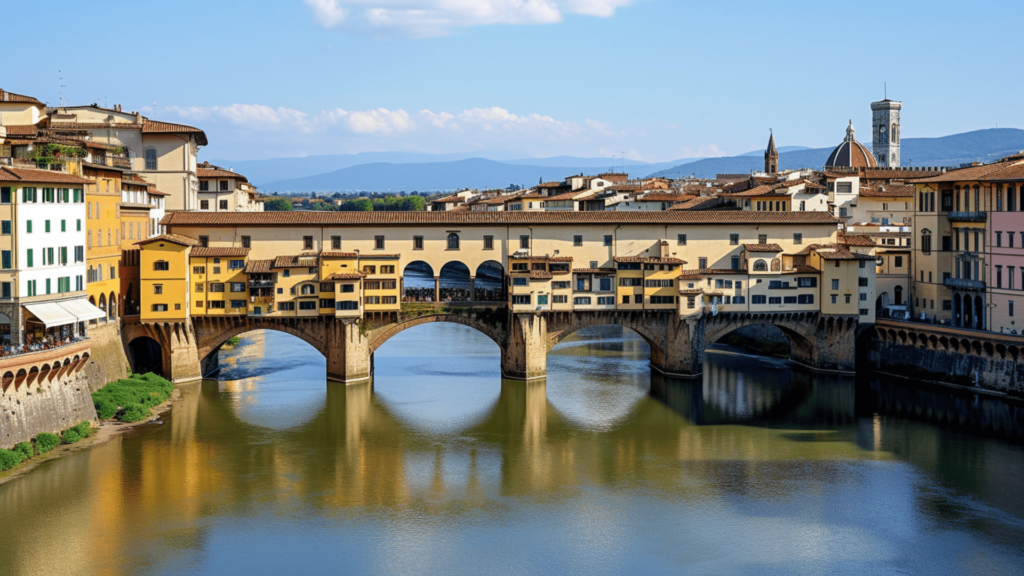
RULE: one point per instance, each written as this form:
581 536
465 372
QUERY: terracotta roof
492 218
697 204
156 127
449 200
691 291
172 238
833 252
887 191
346 276
338 255
574 195
552 185
259 266
645 260
805 269
593 271
762 248
219 252
379 256
897 173
762 190
300 261
662 197
856 240
207 170
542 258
691 274
12 97
974 173
30 175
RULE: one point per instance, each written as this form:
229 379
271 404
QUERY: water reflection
440 466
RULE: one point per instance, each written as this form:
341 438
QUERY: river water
442 468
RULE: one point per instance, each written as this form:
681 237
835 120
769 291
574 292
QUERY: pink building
1006 284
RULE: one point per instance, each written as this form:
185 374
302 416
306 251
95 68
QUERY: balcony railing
967 216
965 283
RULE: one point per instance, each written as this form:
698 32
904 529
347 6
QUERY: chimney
664 249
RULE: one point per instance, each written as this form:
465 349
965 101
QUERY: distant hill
980 145
780 149
471 173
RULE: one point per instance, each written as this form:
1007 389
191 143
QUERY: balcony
967 216
964 283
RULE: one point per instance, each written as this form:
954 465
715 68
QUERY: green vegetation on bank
42 444
131 399
233 341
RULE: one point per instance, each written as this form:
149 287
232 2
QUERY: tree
278 205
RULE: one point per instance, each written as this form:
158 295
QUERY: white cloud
439 17
377 121
255 116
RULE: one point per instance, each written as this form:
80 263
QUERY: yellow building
218 283
103 237
164 284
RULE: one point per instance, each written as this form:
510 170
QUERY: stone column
472 288
348 351
437 288
180 354
682 351
525 356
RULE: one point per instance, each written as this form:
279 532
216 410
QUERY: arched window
90 238
760 266
926 241
161 265
453 241
150 158
776 265
308 289
899 295
893 135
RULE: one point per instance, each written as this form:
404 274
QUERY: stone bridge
188 350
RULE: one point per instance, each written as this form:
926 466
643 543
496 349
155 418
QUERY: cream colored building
223 190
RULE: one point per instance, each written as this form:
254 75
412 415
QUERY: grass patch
76 433
233 341
44 442
131 399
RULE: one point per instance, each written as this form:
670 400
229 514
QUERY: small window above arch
150 158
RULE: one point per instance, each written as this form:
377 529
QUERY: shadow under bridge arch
653 330
213 332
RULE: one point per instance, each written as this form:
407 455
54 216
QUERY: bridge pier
525 356
348 352
681 353
179 354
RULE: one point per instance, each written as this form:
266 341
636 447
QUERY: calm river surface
441 468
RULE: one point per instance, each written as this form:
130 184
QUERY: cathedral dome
851 153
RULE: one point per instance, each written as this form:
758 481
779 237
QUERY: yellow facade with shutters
164 279
103 237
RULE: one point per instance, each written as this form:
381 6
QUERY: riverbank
106 431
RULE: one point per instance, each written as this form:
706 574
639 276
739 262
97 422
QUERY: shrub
135 395
26 449
70 436
83 428
10 458
46 442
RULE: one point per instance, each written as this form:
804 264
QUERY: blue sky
656 79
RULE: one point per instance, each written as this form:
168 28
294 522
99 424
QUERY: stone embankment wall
44 392
108 361
973 359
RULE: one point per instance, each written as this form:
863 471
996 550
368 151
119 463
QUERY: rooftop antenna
60 88
885 89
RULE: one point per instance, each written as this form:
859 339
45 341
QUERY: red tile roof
207 170
172 238
974 173
200 219
887 191
300 261
30 175
328 255
156 127
6 96
856 240
646 260
218 252
700 273
28 130
346 276
763 248
259 266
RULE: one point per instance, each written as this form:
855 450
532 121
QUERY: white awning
82 309
51 314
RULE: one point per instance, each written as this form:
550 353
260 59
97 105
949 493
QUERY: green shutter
28 257
28 226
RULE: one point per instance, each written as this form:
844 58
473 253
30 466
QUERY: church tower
771 157
885 126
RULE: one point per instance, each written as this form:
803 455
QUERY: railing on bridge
964 283
967 216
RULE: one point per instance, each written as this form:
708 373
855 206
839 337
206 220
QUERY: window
734 239
199 269
607 239
223 204
216 304
204 241
520 281
5 259
387 270
488 242
199 286
758 299
898 261
760 266
805 299
417 242
222 185
216 286
378 242
286 306
238 304
150 155
762 238
367 269
663 299
581 301
246 241
5 289
335 242
863 297
161 266
1010 308
847 296
521 299
524 242
453 241
606 301
775 299
702 263
5 195
308 305
631 282
308 290
659 283
835 284
204 185
238 286
577 240
307 242
347 304
236 264
681 239
204 204
563 299
28 226
789 300
862 282
798 238
810 282
159 307
606 284
348 288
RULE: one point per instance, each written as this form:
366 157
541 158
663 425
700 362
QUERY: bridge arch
489 284
212 332
800 329
418 283
454 282
492 330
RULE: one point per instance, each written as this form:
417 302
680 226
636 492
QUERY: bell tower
771 157
885 130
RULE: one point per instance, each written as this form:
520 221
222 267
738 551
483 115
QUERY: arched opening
760 266
979 313
454 282
8 379
763 339
453 241
957 310
112 307
489 284
131 300
418 282
898 291
146 355
103 303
